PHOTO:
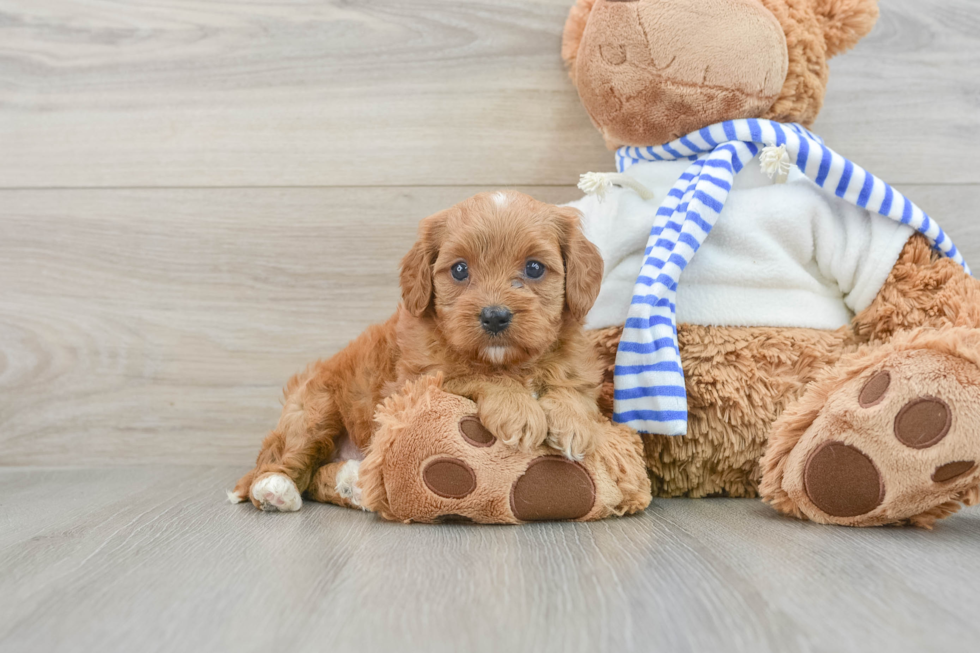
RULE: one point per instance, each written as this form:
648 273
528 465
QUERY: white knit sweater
789 255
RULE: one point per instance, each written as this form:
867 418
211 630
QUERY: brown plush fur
815 31
535 381
645 80
845 22
739 380
421 423
924 289
635 64
954 354
578 17
928 302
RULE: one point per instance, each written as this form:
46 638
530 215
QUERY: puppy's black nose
495 319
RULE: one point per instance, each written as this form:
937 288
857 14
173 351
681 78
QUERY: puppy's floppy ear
583 265
416 268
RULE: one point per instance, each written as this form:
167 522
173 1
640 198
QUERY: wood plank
151 325
905 103
152 559
159 325
400 92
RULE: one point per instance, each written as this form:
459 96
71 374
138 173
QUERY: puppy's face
501 274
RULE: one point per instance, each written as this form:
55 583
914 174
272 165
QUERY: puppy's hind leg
337 483
301 442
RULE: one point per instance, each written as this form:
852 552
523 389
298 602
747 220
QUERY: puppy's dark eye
459 271
533 270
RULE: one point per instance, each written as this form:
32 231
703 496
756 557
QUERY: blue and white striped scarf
649 382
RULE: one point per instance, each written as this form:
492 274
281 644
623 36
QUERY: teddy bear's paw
433 459
276 493
546 488
897 443
474 476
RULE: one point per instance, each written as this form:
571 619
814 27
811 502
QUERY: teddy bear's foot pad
842 481
552 487
449 477
951 471
893 444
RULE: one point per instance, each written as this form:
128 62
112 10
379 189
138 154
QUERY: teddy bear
820 350
821 347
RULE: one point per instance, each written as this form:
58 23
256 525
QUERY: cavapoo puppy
494 293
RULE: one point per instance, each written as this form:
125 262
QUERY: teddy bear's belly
739 380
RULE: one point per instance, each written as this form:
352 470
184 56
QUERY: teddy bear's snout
693 63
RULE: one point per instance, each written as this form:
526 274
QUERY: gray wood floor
149 559
197 197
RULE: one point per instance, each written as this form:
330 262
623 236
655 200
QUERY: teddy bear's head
650 71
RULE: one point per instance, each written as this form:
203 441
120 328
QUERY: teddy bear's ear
572 36
845 22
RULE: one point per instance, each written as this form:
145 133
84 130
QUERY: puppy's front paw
516 420
573 424
574 438
276 492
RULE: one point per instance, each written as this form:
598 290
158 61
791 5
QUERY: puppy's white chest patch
495 354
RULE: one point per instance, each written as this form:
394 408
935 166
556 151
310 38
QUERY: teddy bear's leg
738 381
889 436
921 355
431 460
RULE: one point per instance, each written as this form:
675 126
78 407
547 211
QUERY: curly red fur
539 375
